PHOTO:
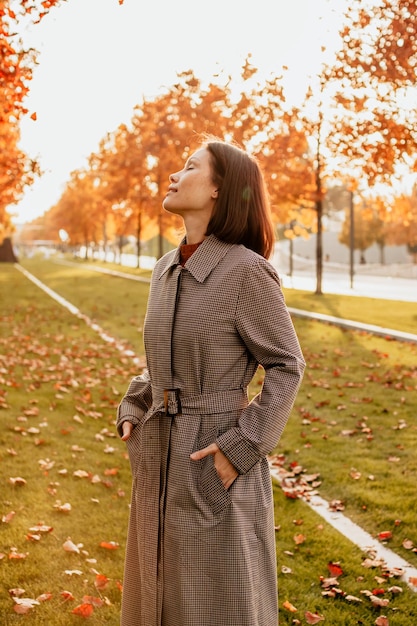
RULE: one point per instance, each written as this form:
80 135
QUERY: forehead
200 155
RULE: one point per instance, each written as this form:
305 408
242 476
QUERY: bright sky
98 59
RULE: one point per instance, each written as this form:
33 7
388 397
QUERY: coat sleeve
136 401
265 326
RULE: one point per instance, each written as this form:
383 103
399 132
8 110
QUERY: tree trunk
319 211
319 247
7 254
138 236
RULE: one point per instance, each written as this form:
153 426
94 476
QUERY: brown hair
242 211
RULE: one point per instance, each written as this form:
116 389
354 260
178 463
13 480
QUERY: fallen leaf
290 607
385 535
334 569
84 610
6 519
81 474
69 546
17 481
63 508
44 597
313 618
101 581
299 539
378 601
67 595
350 598
109 545
14 554
16 592
24 605
41 528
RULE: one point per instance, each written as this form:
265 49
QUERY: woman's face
192 189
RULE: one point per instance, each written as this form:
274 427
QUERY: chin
170 209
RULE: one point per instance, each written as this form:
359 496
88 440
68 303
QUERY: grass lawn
353 425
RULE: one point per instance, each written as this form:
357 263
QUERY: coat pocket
211 486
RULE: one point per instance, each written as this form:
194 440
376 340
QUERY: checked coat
198 554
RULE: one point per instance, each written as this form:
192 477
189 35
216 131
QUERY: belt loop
178 398
166 402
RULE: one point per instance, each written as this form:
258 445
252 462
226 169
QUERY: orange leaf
44 597
101 581
386 534
8 517
67 595
334 569
17 555
413 581
290 607
112 471
85 610
313 618
299 539
33 117
109 545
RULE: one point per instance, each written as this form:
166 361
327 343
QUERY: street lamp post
351 240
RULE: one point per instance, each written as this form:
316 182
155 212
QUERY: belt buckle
176 400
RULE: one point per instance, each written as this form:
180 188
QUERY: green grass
353 423
385 313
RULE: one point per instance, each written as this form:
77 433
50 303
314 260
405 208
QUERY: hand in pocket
226 471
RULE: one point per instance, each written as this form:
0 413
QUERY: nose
173 177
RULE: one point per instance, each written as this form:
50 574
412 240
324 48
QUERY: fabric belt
171 402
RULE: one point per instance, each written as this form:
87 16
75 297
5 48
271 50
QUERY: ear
215 193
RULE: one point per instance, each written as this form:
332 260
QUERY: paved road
391 282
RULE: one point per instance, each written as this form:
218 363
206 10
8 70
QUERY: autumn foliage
17 170
356 127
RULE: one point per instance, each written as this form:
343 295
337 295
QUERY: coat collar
203 260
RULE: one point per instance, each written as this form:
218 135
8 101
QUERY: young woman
201 541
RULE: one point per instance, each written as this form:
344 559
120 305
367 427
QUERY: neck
195 230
